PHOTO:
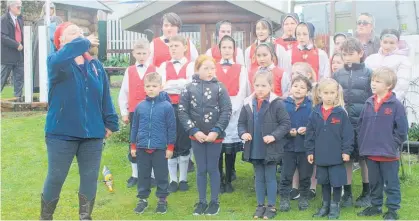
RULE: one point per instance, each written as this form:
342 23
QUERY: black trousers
290 162
147 161
229 162
130 158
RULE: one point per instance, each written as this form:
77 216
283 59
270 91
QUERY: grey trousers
18 77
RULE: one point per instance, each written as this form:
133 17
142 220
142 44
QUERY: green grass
7 92
24 168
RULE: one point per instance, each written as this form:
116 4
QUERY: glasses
363 22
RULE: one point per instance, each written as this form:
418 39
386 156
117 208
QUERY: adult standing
12 47
288 25
80 116
365 34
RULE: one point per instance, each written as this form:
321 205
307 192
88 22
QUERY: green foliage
414 132
117 61
122 136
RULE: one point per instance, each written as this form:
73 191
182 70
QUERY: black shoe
284 204
323 211
311 194
153 182
371 211
213 209
229 188
173 186
183 186
303 203
260 211
200 208
294 194
131 182
270 212
47 209
191 166
141 206
161 207
85 207
334 211
391 215
233 175
363 201
346 201
222 188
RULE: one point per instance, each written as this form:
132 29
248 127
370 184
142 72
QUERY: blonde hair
179 38
264 73
307 69
141 44
201 59
153 77
387 75
321 85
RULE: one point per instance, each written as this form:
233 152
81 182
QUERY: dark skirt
334 175
232 148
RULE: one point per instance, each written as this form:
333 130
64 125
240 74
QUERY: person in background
337 62
338 39
289 23
395 57
365 34
12 47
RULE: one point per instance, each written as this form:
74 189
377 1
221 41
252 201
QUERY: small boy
152 139
382 130
355 79
132 93
176 73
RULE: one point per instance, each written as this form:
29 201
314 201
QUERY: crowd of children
279 104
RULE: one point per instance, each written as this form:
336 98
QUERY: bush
117 61
122 136
414 132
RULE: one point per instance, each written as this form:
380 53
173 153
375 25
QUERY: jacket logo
335 121
388 111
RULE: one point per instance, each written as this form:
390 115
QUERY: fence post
28 76
43 52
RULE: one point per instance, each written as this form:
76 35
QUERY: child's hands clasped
302 130
212 136
200 137
246 137
345 157
169 154
268 139
310 158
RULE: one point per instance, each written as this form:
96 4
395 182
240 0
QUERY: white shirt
14 18
123 97
239 55
194 52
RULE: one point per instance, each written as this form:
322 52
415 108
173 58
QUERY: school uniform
329 135
278 78
159 51
250 58
294 151
176 74
387 120
234 77
132 92
215 53
288 43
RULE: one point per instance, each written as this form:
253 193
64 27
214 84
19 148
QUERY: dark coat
9 52
276 122
299 118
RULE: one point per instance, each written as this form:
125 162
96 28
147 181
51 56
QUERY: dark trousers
18 77
147 161
60 156
265 182
290 162
130 158
206 158
384 177
183 143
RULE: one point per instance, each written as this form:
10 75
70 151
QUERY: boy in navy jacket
152 139
382 129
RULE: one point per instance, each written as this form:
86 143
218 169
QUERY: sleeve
240 57
162 71
194 52
110 118
324 66
183 112
5 32
285 84
288 63
282 55
151 56
247 60
242 125
171 126
309 141
401 125
123 95
208 53
244 85
283 120
225 109
403 76
190 71
347 135
67 53
360 119
134 126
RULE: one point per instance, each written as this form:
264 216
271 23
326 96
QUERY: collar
309 47
384 99
270 67
371 38
318 109
145 64
182 61
163 38
354 66
222 61
14 18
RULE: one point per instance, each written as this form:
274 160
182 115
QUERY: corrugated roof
85 4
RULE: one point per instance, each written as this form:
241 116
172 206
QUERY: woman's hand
108 133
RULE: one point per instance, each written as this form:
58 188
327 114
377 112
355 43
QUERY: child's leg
213 151
172 165
229 160
377 182
183 167
159 162
260 186
144 174
271 184
337 193
288 167
305 170
326 192
295 179
364 171
313 179
201 165
390 170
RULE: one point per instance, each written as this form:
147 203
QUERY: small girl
329 143
234 77
204 112
298 68
266 60
299 107
263 125
337 62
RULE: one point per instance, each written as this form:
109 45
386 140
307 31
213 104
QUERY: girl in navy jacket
329 143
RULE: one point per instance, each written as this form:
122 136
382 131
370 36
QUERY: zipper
149 125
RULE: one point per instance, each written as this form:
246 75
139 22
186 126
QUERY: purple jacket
382 133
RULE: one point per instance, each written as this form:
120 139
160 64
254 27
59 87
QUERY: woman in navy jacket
80 115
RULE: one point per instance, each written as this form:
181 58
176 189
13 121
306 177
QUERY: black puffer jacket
205 106
356 84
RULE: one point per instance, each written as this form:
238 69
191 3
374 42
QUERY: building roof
93 4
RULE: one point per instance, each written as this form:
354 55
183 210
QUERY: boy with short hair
383 117
132 93
152 139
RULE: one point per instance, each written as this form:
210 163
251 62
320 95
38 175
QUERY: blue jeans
60 157
265 182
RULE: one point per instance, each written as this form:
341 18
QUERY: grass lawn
24 167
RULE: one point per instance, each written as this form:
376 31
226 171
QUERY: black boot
191 166
47 209
334 210
324 211
85 207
